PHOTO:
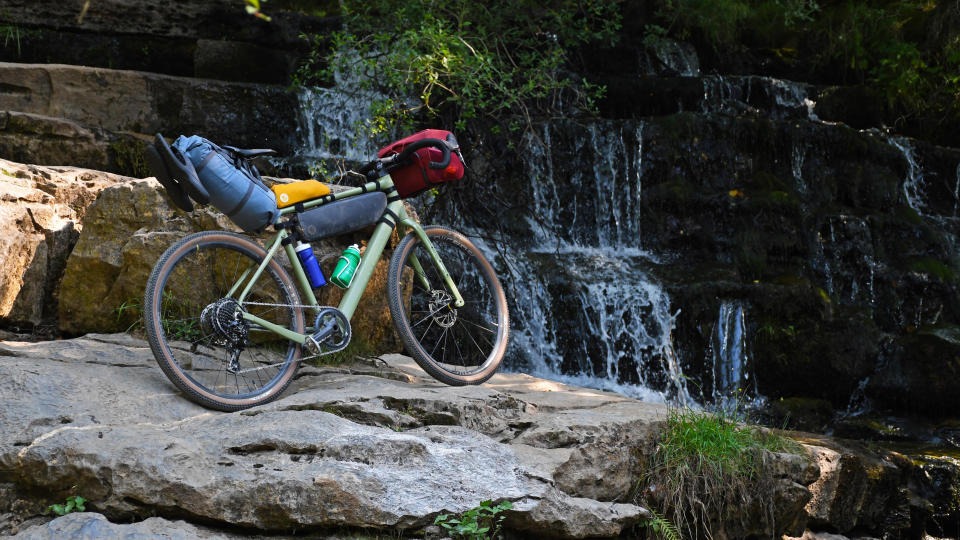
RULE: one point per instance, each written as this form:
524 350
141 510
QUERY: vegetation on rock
479 523
907 52
705 466
463 60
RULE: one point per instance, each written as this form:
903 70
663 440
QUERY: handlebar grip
423 143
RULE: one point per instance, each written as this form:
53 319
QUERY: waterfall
680 58
845 257
730 358
798 154
913 185
586 309
956 193
331 121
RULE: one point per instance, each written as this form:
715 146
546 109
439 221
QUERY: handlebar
424 143
396 160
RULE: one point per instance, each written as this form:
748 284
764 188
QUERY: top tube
384 184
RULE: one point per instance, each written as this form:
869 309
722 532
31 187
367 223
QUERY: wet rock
917 376
936 482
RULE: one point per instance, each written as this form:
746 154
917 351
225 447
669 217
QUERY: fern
662 527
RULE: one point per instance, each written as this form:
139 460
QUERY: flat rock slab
90 526
376 444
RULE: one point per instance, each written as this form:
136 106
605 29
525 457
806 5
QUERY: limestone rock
247 115
380 445
856 488
130 225
125 232
47 140
573 517
91 381
131 444
41 209
209 39
93 526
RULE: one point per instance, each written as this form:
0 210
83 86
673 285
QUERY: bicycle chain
303 348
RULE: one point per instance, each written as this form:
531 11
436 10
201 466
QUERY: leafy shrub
462 59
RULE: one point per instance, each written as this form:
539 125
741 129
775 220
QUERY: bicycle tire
195 349
458 346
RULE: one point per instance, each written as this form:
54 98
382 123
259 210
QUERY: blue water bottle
310 266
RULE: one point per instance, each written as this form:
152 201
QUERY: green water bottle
346 267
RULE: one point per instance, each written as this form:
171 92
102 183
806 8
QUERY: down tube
370 258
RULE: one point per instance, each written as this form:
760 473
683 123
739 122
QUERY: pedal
332 332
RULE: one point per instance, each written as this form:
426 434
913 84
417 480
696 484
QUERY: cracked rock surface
375 444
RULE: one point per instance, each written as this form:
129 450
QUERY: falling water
598 205
730 358
798 155
845 257
587 311
913 185
677 57
331 121
956 194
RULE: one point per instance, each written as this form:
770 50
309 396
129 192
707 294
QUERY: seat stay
259 271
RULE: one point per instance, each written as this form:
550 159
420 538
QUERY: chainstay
302 348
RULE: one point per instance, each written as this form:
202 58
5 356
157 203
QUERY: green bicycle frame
375 246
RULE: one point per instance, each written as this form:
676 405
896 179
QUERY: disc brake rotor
440 307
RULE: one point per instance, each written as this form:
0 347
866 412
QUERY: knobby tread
161 350
402 325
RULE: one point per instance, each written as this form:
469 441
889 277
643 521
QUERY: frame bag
233 183
339 217
417 175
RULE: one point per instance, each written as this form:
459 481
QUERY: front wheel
193 317
457 346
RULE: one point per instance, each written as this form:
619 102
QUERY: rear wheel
457 346
195 329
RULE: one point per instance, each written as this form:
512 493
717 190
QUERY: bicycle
228 325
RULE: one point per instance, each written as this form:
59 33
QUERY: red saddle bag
418 175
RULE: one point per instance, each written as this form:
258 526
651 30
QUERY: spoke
459 353
480 326
431 314
442 335
477 345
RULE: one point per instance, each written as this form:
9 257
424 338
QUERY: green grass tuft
707 464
